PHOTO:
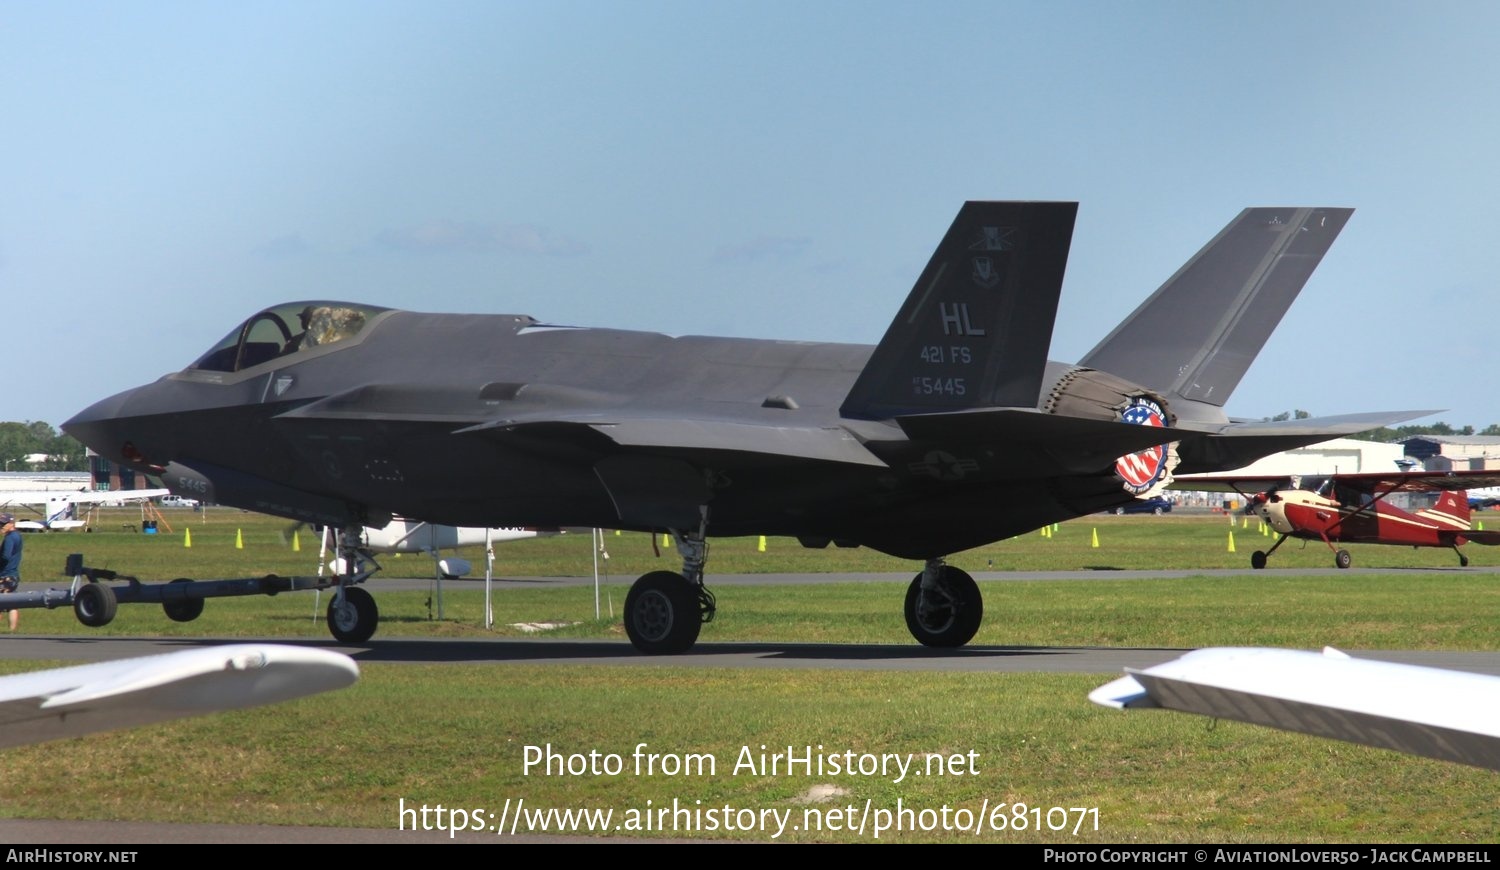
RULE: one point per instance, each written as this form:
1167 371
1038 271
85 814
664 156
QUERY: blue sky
765 169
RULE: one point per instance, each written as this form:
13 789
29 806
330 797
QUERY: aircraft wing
1240 483
118 495
1373 482
1236 445
546 429
42 497
1087 442
1421 481
1433 712
831 444
68 702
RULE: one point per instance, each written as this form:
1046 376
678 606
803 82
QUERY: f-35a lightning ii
954 431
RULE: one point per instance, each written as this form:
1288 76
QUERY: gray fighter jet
954 431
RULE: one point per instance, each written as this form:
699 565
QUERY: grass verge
456 735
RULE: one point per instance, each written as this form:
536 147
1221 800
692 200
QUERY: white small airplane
1433 712
58 509
414 536
68 702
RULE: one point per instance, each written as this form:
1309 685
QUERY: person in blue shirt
10 561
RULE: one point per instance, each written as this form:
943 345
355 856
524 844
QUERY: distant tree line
1401 433
21 440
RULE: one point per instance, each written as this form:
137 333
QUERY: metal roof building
1455 452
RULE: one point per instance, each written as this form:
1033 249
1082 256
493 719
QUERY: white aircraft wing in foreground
1434 712
68 702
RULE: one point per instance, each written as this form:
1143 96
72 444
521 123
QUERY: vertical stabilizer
1451 510
976 328
1199 332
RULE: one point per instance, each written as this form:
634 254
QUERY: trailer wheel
182 609
94 605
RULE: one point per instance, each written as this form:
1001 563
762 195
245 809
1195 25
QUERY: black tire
95 605
662 615
1258 559
354 620
1463 561
950 621
183 609
1342 559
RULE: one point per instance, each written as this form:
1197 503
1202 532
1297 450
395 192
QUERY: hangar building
1455 452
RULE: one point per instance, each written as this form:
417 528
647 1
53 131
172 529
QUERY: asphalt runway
1105 661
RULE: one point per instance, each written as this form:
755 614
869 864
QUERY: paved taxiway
1105 661
503 584
854 657
904 657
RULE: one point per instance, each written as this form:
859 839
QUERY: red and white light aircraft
1355 509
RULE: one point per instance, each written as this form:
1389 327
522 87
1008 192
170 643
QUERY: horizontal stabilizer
1490 538
1432 712
1199 332
1239 444
1327 427
67 702
975 329
1078 442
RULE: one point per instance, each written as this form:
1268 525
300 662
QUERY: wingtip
1122 694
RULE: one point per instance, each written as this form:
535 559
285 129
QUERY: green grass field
457 734
1106 542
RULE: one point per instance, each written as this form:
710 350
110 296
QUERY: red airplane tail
1452 509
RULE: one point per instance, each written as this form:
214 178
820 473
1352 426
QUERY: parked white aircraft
68 702
414 536
58 509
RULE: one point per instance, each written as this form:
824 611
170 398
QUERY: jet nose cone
99 425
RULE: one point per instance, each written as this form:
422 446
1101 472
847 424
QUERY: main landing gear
352 614
664 611
1341 558
1258 558
943 606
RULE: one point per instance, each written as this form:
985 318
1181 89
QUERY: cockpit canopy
287 329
